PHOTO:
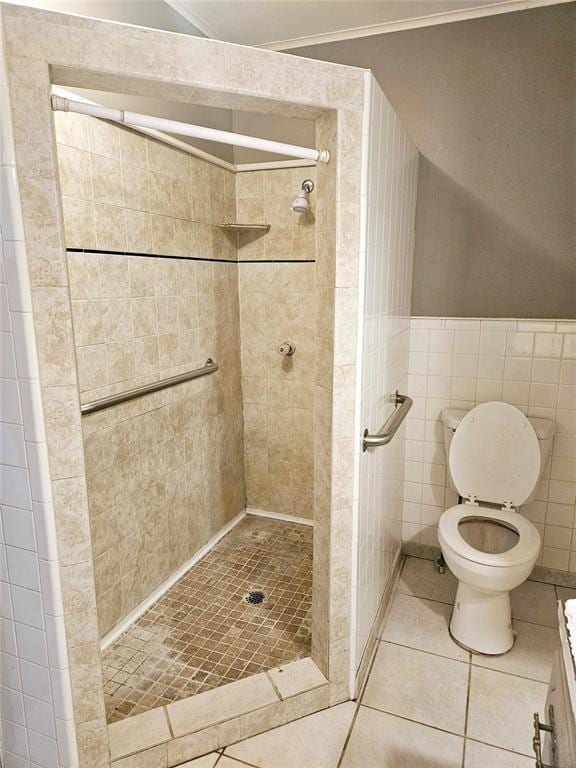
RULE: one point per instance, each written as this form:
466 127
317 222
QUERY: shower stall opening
194 302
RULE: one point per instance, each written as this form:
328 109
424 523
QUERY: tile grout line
467 709
273 684
411 720
469 661
442 730
349 734
502 749
367 677
421 650
237 759
444 602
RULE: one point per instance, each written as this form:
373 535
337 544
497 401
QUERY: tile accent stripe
106 252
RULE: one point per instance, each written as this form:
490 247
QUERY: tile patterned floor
427 703
201 633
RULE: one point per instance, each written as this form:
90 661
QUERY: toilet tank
544 428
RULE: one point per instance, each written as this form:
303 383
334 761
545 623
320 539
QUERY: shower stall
192 410
212 340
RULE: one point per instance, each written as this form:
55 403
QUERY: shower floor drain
255 597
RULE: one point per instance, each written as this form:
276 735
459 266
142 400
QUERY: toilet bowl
494 459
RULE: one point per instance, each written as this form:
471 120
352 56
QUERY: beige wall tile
71 512
138 231
84 665
92 365
114 276
135 184
106 180
72 130
79 223
104 139
87 322
160 193
75 173
53 324
93 744
110 227
79 603
132 149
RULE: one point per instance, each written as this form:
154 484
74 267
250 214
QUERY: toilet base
482 621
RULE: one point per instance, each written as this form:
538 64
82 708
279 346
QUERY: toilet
496 456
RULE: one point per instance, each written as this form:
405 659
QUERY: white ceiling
284 24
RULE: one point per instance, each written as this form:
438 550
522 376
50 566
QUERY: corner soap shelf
240 227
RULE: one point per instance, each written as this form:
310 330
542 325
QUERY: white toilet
496 455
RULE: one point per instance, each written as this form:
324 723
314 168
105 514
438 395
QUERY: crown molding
447 17
183 8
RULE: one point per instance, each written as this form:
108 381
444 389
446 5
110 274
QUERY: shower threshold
244 608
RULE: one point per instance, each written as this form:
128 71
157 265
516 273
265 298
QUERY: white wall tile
386 337
12 447
528 363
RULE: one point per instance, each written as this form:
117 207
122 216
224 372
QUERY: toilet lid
494 455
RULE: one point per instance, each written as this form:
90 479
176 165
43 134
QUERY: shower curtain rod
136 120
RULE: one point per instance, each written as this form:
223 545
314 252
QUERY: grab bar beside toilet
402 403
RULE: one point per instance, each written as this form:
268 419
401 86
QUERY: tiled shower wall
389 202
165 472
278 303
459 363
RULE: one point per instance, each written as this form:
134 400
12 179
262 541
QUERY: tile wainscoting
458 363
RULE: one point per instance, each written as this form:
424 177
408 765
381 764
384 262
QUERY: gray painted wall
491 104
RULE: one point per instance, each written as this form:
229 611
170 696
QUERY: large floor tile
482 756
420 686
379 740
531 656
422 624
422 579
315 741
228 762
501 709
206 761
536 602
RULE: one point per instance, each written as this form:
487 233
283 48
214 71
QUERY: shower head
301 204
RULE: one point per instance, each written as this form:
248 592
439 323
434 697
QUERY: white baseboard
279 516
135 614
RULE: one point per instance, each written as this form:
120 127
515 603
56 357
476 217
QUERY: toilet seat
526 548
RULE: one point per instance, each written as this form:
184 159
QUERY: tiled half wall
391 180
167 471
459 363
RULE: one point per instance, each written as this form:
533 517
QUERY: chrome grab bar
98 405
403 404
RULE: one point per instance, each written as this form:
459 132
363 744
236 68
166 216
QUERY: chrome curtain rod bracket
402 403
106 402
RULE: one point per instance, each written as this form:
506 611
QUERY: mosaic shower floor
202 634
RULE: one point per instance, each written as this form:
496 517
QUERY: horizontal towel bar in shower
106 402
403 404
